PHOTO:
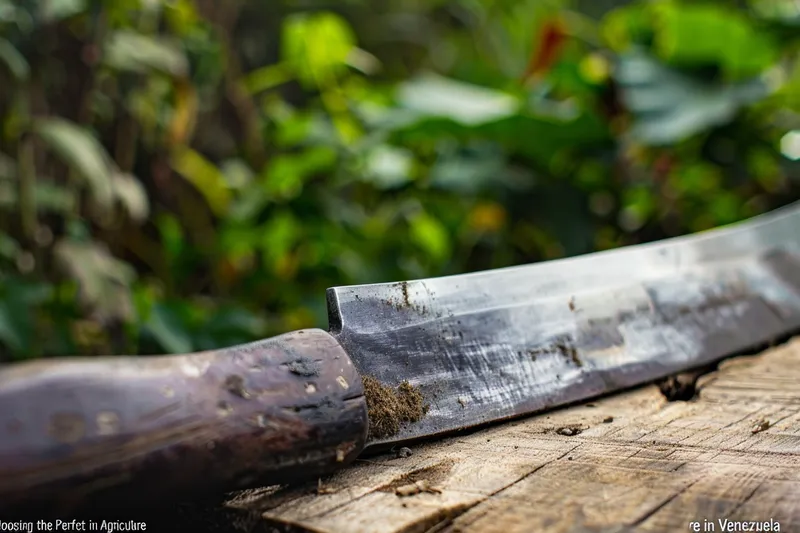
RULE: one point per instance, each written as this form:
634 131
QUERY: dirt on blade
389 408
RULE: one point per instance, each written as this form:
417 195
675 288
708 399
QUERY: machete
400 361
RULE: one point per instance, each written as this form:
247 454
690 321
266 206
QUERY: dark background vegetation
182 175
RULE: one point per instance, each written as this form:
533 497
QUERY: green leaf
173 240
266 78
19 301
287 173
167 328
669 106
14 60
627 26
205 176
13 332
82 152
700 34
279 236
317 46
136 52
430 235
435 96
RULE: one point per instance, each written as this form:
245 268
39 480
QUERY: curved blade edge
492 345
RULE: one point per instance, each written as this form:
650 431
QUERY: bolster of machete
123 432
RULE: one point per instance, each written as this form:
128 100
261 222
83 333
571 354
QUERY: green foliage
179 176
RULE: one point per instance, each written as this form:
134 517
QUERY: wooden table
632 461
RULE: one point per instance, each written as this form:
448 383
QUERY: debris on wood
389 408
416 488
569 431
682 387
322 489
762 425
404 452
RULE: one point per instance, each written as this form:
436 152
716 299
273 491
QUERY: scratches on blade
493 345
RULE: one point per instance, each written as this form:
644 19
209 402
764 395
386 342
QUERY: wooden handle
145 431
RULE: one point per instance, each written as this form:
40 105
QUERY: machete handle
115 432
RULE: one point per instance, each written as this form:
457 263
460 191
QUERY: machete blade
493 345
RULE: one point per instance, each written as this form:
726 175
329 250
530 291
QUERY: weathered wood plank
630 461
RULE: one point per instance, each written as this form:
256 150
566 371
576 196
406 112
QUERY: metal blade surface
491 345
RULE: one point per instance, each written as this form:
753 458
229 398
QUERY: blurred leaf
104 280
707 34
434 96
168 329
229 326
627 26
131 51
237 173
266 78
14 329
50 198
785 11
469 170
388 166
205 176
184 113
19 301
52 10
430 235
9 247
286 173
131 194
172 236
317 46
669 106
79 149
14 60
279 236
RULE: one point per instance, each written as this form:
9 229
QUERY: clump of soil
389 408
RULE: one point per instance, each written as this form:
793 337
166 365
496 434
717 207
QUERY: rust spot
67 428
235 385
404 288
390 408
569 352
405 300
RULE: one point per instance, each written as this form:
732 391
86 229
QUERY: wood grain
633 461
